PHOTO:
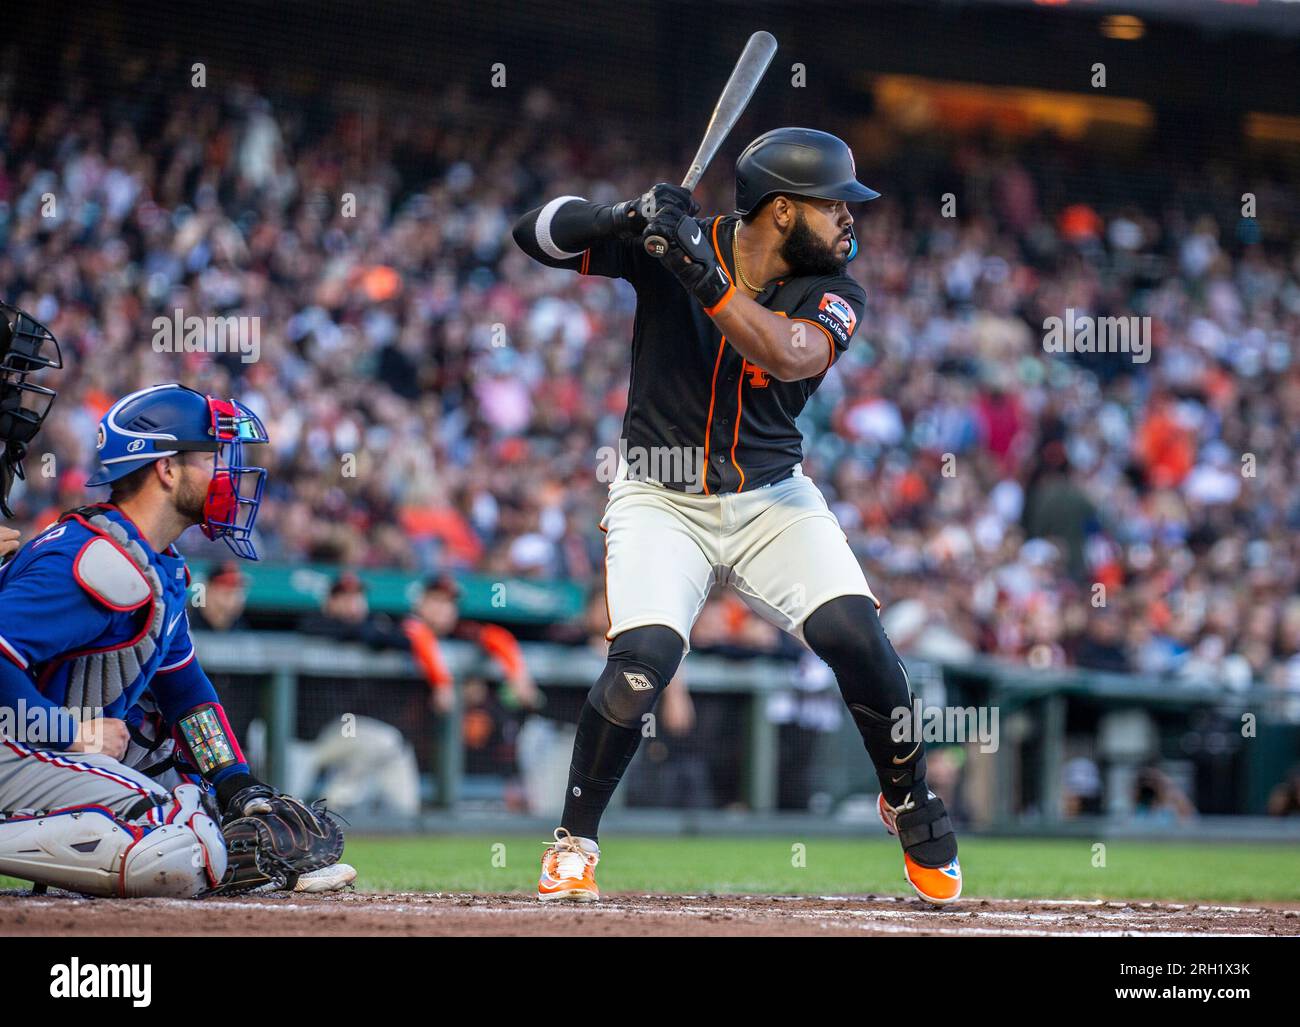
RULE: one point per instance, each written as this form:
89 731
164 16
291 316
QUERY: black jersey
691 391
700 417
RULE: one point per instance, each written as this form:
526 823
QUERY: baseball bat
735 97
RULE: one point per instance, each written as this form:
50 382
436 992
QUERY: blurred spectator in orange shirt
1165 447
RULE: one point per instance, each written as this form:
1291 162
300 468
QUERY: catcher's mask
168 419
26 346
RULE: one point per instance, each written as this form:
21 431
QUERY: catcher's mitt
272 839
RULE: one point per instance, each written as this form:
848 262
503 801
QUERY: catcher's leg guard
173 849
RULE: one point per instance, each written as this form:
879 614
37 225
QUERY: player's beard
191 500
803 251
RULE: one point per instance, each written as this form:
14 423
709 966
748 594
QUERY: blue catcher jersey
85 618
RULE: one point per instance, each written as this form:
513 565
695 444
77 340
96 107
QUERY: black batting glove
691 259
663 199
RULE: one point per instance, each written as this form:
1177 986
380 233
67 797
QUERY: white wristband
544 239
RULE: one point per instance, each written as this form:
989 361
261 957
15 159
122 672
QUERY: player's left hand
273 838
691 258
663 199
10 540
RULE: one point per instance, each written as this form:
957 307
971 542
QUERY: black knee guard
641 663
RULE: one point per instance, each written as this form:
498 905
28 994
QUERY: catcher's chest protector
116 570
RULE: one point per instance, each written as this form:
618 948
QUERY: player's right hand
662 199
691 258
9 541
106 735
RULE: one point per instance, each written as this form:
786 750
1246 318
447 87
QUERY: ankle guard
925 831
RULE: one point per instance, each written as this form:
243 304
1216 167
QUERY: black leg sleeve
846 633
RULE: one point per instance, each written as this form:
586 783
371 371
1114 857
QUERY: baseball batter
735 327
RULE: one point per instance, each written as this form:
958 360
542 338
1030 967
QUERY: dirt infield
415 914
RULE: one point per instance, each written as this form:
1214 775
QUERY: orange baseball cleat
940 884
569 869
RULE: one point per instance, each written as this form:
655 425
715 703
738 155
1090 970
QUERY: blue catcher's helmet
164 420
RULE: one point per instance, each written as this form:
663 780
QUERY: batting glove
663 199
691 258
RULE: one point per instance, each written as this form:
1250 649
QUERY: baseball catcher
119 773
736 325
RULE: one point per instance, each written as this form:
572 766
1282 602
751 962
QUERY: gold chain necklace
735 259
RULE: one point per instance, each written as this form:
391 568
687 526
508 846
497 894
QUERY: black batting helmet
797 162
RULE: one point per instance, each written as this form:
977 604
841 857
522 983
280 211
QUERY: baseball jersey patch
637 682
838 308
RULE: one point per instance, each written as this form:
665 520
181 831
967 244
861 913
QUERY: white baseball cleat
336 877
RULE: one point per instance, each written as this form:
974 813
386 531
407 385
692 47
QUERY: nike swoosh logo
172 623
899 763
696 240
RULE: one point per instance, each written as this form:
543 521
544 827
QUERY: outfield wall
1014 749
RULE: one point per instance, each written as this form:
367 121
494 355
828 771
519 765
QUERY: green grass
993 868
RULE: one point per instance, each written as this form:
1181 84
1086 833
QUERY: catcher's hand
273 838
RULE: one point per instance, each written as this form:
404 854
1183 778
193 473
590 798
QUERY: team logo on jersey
758 378
50 535
838 308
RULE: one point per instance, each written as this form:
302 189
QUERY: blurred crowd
436 400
